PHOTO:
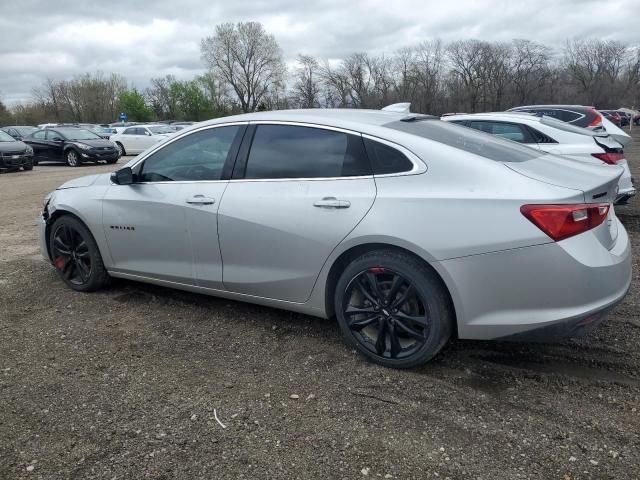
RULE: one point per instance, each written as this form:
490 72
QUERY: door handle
201 200
332 202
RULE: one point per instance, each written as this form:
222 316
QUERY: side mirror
124 176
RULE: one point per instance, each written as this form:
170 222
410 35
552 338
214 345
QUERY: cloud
143 39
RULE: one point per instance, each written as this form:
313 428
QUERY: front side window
197 156
287 151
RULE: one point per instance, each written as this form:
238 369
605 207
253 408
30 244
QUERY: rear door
297 192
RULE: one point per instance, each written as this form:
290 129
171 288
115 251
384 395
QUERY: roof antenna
398 108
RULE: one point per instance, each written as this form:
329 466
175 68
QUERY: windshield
24 131
468 139
5 137
78 134
161 129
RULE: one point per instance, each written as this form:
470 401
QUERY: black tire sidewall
429 289
96 277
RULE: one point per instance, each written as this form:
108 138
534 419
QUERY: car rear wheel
28 167
73 159
393 309
120 148
111 161
76 256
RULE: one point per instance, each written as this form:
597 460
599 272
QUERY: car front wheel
393 309
76 256
73 159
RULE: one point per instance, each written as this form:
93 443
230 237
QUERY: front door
303 190
164 226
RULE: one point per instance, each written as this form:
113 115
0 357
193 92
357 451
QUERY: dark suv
578 115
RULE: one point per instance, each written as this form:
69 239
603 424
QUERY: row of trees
246 72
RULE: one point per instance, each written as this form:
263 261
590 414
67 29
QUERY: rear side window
385 159
287 151
129 131
510 131
468 140
39 135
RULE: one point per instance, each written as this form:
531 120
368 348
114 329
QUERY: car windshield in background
160 130
78 134
5 137
468 139
24 131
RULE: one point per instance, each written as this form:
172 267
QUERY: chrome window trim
419 166
180 134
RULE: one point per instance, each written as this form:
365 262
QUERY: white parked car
136 139
554 136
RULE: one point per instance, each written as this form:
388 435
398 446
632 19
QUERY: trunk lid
598 184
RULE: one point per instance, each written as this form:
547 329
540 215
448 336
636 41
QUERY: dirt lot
123 384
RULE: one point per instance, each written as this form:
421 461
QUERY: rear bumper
534 293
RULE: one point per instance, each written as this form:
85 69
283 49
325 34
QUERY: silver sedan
406 229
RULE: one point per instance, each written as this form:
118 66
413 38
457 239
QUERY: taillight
597 121
611 157
564 221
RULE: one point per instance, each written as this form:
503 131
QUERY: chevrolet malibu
407 229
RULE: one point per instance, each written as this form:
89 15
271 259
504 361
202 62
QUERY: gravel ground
126 383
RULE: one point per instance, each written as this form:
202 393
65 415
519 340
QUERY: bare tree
247 58
530 68
306 89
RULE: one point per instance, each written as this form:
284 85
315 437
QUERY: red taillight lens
597 120
610 158
564 221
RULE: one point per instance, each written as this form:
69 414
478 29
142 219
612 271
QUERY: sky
144 39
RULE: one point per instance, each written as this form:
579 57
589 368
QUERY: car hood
95 143
86 181
12 146
615 132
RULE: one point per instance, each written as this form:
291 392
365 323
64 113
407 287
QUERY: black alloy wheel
76 256
386 314
393 308
71 255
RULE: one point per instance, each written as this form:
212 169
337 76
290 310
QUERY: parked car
625 118
634 114
102 132
578 115
20 131
408 229
553 136
71 145
612 116
14 154
136 139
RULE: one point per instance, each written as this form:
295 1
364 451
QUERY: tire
35 162
76 256
27 167
72 157
121 149
417 313
112 161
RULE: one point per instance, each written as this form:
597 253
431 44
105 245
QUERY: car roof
579 108
347 118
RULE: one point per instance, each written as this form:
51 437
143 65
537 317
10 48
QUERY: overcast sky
142 39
